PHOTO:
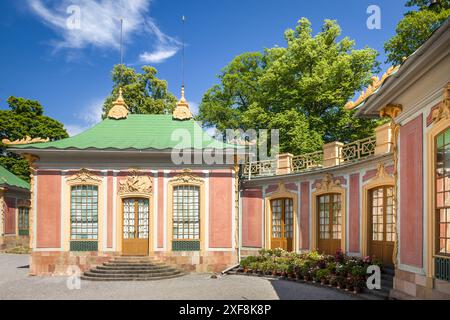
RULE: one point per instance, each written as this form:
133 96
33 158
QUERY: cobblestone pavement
16 284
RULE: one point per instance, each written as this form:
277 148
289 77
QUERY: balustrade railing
359 149
307 161
260 168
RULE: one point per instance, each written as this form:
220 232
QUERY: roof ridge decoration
372 88
120 109
26 140
182 111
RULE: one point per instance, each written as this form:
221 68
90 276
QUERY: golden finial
119 109
182 111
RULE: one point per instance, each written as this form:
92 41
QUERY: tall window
84 212
383 228
186 213
443 192
24 223
330 217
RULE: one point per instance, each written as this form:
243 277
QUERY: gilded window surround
435 129
135 185
83 177
328 186
381 179
185 178
280 193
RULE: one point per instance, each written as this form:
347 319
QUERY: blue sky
68 71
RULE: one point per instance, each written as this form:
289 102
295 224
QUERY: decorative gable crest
84 176
186 176
327 183
136 182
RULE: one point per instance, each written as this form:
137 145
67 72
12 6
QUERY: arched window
84 212
24 224
442 179
186 213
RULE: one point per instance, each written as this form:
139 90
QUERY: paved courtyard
16 284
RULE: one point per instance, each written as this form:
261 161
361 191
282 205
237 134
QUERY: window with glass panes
23 220
84 212
443 191
383 228
186 213
330 216
282 218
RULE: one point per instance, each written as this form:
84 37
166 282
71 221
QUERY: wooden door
282 224
329 214
381 224
135 227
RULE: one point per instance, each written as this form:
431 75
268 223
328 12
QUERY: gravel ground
16 284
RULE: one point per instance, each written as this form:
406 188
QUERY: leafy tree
143 92
415 28
300 89
25 118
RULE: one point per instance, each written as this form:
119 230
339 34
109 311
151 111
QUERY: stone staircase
132 269
387 283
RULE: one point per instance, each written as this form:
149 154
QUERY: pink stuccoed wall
10 216
220 209
160 213
411 190
353 213
304 215
110 207
48 218
252 204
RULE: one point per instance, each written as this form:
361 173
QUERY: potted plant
323 276
290 271
359 276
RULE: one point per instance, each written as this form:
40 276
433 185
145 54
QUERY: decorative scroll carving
26 140
281 187
372 88
135 182
328 183
186 176
381 172
443 112
84 176
119 109
391 110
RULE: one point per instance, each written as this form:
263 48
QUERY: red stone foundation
410 285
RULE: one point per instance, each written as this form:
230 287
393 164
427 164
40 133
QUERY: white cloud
89 116
99 23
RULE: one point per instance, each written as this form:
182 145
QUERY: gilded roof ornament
26 140
182 111
372 88
119 109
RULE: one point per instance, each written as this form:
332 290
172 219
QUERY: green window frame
24 221
84 212
186 212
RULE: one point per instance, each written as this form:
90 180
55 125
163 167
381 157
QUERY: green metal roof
138 132
10 179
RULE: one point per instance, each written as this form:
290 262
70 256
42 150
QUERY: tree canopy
25 118
415 28
143 92
300 89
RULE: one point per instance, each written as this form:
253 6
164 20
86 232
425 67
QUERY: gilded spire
182 111
119 109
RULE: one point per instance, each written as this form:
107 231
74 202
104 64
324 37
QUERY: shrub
323 274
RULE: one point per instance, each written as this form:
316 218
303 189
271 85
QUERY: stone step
129 264
132 275
132 271
125 268
127 278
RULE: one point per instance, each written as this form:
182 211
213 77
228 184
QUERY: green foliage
415 28
25 118
300 89
143 92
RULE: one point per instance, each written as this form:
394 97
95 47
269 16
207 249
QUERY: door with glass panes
135 227
381 224
330 223
282 224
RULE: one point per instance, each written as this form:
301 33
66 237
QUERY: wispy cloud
88 117
98 24
166 46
